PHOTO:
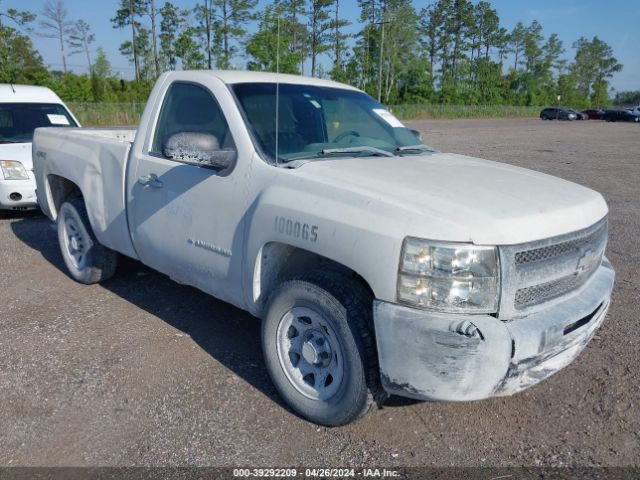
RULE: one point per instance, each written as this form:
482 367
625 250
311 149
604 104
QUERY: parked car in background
594 114
554 113
579 115
622 115
23 108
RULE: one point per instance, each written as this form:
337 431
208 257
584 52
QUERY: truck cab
376 264
23 108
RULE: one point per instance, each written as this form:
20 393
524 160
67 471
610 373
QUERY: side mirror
201 149
417 134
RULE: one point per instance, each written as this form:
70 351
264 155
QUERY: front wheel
319 348
87 261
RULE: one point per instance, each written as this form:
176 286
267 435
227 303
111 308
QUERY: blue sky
614 21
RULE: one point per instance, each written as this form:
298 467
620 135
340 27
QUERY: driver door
186 219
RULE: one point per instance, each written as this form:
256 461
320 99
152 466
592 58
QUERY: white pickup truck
376 264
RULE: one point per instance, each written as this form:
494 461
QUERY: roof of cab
12 93
242 76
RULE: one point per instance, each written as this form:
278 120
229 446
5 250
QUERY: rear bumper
449 357
26 189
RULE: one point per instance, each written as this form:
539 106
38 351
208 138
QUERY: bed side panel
96 164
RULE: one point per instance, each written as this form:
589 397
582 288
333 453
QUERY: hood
452 197
17 151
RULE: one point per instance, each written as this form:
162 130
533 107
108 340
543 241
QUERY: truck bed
95 159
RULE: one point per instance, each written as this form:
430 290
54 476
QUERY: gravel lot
143 371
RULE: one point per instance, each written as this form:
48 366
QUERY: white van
23 108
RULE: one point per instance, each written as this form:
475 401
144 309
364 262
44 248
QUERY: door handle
150 180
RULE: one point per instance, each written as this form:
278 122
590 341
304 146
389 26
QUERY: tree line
451 51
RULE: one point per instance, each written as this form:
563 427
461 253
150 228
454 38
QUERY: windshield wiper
415 149
360 149
329 152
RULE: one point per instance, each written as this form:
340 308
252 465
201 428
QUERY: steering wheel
352 133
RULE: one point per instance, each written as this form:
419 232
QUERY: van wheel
87 261
319 347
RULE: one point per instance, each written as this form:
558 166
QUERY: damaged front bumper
450 357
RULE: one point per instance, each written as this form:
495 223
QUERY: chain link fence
121 114
425 112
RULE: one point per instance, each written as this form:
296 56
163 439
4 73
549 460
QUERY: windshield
19 120
316 122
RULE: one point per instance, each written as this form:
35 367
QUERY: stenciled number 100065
290 228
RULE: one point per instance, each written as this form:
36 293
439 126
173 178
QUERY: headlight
449 277
13 170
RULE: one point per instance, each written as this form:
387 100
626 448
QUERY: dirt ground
143 371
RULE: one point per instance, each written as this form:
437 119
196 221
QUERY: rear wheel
87 261
319 348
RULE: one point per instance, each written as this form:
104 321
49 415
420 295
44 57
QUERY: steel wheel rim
75 243
310 353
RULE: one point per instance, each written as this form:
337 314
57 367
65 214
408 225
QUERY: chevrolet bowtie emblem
585 260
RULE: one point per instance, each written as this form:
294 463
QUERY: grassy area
104 114
424 112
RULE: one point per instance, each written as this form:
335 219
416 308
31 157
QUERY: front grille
539 272
536 294
559 249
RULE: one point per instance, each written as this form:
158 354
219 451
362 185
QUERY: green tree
127 16
143 52
19 61
319 27
15 18
101 74
516 41
593 65
295 30
171 23
80 40
153 14
430 26
187 49
267 48
205 16
553 51
230 27
399 51
339 38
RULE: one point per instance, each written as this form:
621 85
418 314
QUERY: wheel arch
277 262
58 190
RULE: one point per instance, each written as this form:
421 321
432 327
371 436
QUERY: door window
190 108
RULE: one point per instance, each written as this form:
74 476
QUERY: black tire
347 308
544 117
98 263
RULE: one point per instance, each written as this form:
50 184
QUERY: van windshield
315 122
19 120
